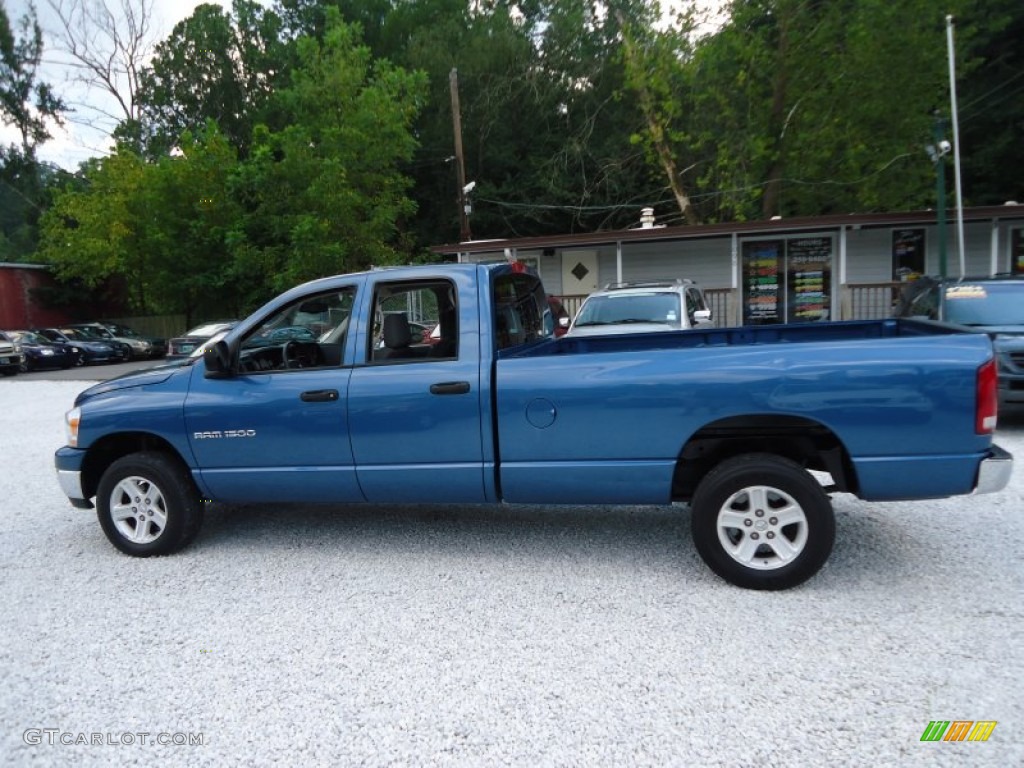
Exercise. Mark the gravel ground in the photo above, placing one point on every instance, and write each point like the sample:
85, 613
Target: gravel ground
518, 636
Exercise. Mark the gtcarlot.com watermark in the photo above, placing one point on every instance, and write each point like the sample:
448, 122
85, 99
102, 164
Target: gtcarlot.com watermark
55, 737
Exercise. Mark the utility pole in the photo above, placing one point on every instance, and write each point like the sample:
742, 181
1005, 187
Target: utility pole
464, 233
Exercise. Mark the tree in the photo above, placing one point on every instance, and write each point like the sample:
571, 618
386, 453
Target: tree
194, 214
108, 43
25, 102
99, 228
991, 108
649, 67
30, 106
799, 107
545, 134
161, 228
322, 191
216, 66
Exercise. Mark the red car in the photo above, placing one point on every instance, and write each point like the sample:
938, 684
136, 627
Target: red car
562, 318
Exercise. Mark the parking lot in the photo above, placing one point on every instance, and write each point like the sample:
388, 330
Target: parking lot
475, 636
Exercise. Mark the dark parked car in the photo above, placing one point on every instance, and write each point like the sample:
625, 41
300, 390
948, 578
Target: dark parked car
183, 346
137, 349
993, 305
40, 352
92, 351
157, 346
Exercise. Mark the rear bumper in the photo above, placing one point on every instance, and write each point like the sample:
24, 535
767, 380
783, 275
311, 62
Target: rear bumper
995, 471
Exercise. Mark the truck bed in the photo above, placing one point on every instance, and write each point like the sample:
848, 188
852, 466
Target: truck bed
802, 333
615, 412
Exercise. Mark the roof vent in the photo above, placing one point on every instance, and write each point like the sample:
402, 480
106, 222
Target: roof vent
646, 218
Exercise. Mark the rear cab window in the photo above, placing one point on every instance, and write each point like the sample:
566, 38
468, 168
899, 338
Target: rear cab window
521, 313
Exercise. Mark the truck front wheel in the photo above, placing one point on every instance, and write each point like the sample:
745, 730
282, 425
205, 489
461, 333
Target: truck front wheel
760, 521
148, 505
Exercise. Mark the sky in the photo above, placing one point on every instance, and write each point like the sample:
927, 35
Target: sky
86, 132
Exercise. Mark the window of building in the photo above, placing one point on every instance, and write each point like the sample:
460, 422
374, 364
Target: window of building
787, 280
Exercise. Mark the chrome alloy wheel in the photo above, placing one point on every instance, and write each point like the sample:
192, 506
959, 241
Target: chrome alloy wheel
762, 527
138, 509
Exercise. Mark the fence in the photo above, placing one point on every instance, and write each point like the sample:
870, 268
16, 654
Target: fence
869, 301
860, 301
161, 326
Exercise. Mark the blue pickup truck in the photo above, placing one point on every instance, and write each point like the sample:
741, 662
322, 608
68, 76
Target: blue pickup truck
753, 428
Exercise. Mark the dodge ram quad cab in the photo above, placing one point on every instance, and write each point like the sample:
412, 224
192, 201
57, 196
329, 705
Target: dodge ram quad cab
752, 428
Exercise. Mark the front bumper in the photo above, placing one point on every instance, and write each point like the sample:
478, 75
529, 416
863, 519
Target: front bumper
68, 462
995, 471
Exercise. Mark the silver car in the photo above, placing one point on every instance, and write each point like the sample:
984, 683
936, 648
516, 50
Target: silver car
642, 307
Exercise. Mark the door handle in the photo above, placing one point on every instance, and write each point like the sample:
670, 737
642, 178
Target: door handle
450, 388
319, 396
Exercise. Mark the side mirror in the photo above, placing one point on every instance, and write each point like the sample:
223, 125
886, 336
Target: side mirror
218, 360
702, 317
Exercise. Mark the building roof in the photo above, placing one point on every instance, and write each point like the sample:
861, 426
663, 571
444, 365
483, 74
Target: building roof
19, 265
799, 224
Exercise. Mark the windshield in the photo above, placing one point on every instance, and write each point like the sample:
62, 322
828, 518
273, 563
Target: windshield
985, 304
625, 308
96, 332
207, 329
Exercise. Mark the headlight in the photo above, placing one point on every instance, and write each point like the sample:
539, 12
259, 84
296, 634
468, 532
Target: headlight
71, 421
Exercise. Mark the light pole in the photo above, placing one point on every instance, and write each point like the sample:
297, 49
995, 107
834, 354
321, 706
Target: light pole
937, 152
465, 235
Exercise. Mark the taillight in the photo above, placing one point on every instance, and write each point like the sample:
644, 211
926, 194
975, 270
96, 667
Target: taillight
988, 399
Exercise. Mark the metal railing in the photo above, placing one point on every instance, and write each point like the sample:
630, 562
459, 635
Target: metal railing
859, 301
869, 301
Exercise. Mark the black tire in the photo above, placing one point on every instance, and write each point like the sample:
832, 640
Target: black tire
10, 371
166, 505
784, 524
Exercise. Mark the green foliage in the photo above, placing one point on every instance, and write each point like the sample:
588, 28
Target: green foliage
204, 232
804, 108
279, 145
25, 103
216, 66
101, 230
323, 194
991, 103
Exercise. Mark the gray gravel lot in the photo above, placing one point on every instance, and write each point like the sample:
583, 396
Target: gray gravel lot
518, 636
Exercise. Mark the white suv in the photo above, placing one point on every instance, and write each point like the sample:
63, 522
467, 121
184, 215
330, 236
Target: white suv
657, 305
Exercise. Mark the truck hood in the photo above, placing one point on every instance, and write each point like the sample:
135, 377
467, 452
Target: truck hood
149, 376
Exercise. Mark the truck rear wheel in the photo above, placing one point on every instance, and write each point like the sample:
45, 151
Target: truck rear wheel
760, 521
147, 504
